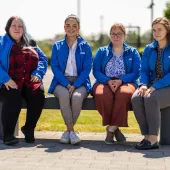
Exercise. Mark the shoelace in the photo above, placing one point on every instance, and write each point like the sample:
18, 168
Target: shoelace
65, 134
73, 135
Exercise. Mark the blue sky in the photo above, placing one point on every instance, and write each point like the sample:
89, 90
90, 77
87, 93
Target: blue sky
45, 18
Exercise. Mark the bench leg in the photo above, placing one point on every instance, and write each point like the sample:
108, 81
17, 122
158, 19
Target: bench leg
1, 128
165, 127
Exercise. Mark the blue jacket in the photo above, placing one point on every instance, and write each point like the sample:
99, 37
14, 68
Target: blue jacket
148, 66
59, 58
5, 47
131, 61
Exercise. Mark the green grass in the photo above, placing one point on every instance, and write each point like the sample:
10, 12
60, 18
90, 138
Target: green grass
89, 121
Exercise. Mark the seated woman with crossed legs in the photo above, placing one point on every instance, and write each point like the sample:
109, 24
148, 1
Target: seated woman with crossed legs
116, 69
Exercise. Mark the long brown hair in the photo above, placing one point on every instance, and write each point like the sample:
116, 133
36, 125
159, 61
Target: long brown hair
24, 38
166, 23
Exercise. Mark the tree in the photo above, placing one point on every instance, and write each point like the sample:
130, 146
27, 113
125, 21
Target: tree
46, 46
167, 10
145, 38
132, 38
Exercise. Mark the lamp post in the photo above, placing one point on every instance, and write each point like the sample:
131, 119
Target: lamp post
78, 8
101, 23
151, 7
101, 39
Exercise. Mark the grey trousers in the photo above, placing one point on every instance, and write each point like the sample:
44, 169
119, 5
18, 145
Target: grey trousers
147, 109
70, 107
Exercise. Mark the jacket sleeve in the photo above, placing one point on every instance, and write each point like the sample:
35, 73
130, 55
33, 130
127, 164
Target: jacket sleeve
134, 74
58, 73
4, 76
144, 75
42, 64
87, 65
97, 68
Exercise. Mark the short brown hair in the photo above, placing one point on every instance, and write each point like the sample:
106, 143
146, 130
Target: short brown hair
72, 16
120, 26
166, 23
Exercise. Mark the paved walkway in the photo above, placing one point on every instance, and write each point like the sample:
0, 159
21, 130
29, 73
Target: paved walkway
92, 154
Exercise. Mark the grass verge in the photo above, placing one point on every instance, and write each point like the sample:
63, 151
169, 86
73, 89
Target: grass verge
89, 121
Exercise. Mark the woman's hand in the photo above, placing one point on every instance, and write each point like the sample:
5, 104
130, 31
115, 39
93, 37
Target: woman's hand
71, 89
142, 90
114, 84
11, 84
68, 86
110, 83
149, 91
35, 78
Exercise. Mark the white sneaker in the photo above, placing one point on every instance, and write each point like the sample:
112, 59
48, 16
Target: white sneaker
74, 139
65, 138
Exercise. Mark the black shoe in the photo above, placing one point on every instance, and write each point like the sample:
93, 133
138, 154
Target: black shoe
119, 136
29, 135
141, 143
109, 136
10, 140
146, 145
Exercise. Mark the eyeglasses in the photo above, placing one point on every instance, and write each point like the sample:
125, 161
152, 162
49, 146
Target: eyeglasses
119, 34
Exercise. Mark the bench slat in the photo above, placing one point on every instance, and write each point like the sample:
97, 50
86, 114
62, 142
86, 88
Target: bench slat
53, 103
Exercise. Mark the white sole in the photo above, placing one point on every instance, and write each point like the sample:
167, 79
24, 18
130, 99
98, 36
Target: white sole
76, 142
109, 143
65, 142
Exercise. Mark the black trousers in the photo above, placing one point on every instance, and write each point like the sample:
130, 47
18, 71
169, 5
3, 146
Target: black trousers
12, 103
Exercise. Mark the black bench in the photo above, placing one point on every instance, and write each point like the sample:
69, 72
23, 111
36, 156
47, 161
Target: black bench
52, 103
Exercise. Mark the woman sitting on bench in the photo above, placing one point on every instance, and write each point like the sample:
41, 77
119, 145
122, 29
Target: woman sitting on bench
116, 69
22, 68
71, 63
154, 91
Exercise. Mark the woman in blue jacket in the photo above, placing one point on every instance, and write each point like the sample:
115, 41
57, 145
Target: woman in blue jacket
71, 62
153, 93
116, 69
22, 68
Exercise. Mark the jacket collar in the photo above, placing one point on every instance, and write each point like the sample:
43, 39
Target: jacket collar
79, 39
126, 47
8, 38
155, 44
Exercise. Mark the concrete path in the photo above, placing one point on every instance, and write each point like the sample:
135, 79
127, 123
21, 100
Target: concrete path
92, 154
